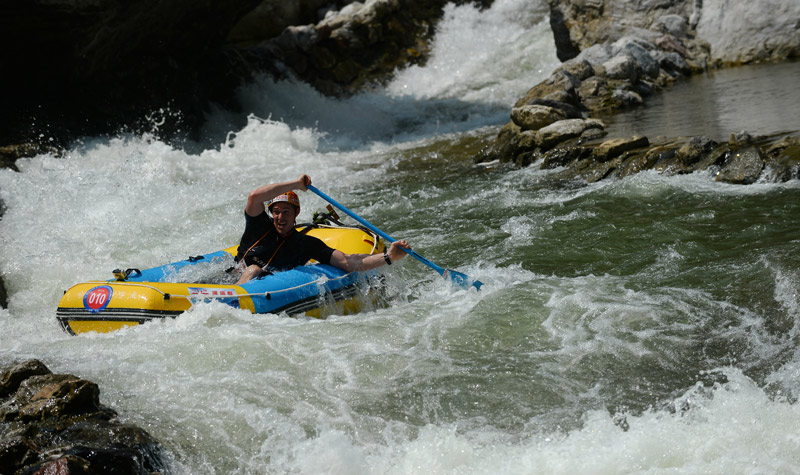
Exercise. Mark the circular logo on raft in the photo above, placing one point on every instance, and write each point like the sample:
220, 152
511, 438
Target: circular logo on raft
97, 298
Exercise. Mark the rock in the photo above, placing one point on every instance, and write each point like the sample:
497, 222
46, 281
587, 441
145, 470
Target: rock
563, 156
361, 44
585, 24
672, 24
563, 130
694, 151
269, 18
616, 147
621, 66
13, 376
639, 50
127, 65
671, 44
579, 68
595, 54
3, 291
561, 86
672, 63
87, 67
720, 31
746, 32
783, 158
534, 117
743, 168
54, 423
66, 465
595, 93
569, 110
622, 98
645, 161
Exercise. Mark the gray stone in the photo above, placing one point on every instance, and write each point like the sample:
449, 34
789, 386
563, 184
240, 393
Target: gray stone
615, 147
534, 117
621, 66
562, 130
756, 30
626, 98
639, 50
743, 167
675, 25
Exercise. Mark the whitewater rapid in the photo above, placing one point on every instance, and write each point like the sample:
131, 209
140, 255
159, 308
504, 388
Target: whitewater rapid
641, 326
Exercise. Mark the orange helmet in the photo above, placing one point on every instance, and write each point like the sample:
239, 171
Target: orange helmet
288, 197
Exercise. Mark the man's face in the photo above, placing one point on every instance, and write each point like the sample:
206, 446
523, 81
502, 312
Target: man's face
283, 215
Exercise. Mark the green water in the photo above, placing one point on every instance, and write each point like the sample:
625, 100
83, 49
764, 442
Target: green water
627, 291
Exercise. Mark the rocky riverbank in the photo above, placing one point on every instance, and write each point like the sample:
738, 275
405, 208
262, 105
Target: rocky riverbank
55, 424
615, 55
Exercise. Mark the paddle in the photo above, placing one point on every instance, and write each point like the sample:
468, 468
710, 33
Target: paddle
457, 277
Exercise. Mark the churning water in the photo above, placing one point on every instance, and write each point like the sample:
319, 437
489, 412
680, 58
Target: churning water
647, 325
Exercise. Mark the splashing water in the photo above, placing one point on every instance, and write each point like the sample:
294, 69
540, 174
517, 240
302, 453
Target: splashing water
641, 326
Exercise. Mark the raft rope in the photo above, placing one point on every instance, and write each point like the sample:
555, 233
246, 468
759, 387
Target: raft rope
260, 294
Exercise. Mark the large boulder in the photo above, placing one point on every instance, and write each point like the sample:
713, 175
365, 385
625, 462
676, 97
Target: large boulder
744, 167
746, 32
355, 46
55, 423
269, 18
735, 32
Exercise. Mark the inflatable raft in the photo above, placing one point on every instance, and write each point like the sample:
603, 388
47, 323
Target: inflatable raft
138, 296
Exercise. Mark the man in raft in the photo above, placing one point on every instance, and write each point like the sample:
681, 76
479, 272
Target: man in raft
272, 243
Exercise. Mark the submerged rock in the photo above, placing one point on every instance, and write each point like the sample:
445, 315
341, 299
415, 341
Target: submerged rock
54, 423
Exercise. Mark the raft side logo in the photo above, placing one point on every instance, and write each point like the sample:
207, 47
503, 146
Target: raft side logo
97, 298
205, 292
226, 296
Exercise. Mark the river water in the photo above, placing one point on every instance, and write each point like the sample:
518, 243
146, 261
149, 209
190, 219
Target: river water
646, 325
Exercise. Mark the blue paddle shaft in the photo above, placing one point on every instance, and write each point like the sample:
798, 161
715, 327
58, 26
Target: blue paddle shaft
447, 273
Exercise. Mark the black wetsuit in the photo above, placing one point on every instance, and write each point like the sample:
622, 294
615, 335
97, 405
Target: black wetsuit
262, 245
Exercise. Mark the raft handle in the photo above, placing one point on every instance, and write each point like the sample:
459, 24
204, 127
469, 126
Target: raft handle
121, 275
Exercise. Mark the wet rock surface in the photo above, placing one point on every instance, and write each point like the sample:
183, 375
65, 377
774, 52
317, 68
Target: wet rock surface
354, 46
54, 423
